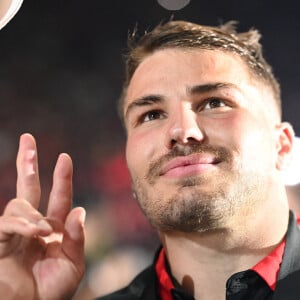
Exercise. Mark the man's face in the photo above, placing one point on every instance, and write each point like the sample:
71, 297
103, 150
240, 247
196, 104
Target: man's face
201, 145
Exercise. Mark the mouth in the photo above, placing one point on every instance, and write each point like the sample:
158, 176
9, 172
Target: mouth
192, 165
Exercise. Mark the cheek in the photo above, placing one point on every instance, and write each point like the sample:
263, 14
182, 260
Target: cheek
140, 149
226, 131
252, 139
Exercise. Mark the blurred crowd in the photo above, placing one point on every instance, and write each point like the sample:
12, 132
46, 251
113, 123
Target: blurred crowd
72, 108
119, 240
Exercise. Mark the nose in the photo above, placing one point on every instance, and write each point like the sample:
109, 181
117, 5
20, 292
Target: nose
184, 128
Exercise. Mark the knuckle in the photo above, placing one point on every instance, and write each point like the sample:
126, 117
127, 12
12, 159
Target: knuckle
11, 205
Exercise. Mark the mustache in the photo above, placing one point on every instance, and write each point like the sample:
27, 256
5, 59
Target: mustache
220, 154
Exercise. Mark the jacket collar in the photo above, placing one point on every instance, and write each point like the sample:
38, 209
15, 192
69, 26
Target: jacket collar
289, 276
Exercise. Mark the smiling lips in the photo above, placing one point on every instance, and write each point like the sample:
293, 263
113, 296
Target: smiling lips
188, 165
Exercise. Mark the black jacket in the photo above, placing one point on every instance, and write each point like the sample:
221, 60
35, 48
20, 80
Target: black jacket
143, 287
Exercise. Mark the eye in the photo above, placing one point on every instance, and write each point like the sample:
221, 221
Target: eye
214, 103
152, 115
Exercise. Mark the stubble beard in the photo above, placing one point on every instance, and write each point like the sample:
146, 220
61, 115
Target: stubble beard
200, 203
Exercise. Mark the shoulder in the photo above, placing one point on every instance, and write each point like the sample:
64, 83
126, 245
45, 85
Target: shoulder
143, 287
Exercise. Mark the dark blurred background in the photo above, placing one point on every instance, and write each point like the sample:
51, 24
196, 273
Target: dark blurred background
61, 73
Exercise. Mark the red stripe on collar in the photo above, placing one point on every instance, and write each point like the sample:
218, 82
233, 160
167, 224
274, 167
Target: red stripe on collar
165, 283
268, 268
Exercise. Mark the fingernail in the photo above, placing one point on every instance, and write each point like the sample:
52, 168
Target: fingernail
29, 156
82, 216
44, 225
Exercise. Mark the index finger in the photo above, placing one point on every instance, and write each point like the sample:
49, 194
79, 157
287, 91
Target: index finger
28, 182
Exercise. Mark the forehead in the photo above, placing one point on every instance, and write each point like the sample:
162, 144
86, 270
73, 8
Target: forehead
170, 69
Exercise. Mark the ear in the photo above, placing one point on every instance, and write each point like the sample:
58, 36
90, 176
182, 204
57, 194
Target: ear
284, 143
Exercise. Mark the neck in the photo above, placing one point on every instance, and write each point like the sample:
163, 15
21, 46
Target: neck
199, 261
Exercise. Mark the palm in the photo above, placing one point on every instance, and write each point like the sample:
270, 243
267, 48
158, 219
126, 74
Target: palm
53, 267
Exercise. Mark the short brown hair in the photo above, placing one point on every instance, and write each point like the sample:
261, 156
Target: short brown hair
182, 34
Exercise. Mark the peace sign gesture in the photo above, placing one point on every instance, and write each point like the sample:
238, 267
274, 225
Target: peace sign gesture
41, 257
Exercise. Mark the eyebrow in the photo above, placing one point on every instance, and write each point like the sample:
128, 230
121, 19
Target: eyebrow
144, 101
197, 89
210, 87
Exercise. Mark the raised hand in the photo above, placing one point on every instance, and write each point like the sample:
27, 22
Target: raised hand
41, 257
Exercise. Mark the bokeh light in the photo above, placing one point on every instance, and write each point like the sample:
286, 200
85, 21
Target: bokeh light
173, 4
